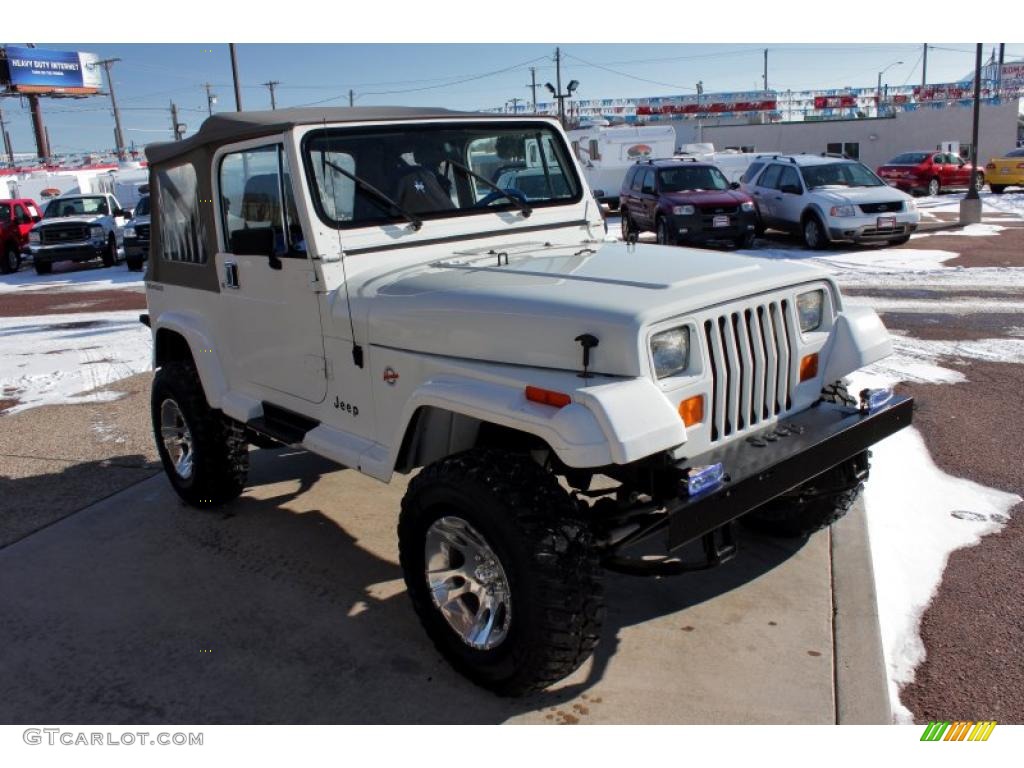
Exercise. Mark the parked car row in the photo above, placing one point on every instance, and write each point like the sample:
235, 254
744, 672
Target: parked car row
72, 228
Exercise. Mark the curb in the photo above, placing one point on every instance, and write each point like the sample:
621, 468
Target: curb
861, 682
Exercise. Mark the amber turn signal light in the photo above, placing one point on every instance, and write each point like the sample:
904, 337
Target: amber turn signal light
547, 397
691, 410
809, 367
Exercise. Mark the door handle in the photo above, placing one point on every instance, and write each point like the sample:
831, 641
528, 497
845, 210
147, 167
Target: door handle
230, 274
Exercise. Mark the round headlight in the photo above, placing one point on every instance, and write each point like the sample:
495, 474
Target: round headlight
684, 210
809, 306
670, 351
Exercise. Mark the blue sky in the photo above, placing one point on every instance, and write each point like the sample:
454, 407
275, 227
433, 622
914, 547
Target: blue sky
461, 76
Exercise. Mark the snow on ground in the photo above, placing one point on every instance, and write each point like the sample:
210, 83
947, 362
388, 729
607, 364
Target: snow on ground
54, 359
68, 276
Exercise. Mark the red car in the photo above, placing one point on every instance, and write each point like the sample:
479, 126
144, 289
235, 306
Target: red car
928, 172
16, 218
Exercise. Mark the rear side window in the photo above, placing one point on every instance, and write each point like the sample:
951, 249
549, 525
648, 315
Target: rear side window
258, 211
182, 235
638, 178
752, 170
770, 177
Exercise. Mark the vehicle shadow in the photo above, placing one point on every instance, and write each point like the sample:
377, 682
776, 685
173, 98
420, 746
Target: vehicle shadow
268, 610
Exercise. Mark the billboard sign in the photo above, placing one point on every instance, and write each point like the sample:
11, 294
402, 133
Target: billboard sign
1012, 76
34, 70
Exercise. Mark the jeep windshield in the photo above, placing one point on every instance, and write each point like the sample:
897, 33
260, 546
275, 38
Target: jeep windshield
699, 178
76, 206
839, 175
437, 171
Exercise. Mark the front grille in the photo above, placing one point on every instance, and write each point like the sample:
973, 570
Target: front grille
142, 230
751, 353
882, 207
55, 234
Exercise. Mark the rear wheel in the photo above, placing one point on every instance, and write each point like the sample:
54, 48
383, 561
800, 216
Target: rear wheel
43, 267
628, 230
934, 187
997, 189
501, 569
814, 233
205, 454
11, 260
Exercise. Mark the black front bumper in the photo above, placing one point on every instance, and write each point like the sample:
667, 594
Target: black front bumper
83, 252
700, 227
768, 463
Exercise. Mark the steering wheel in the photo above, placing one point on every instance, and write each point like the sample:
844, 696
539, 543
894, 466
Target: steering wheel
496, 195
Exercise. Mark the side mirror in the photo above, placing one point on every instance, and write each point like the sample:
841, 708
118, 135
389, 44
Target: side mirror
598, 193
734, 185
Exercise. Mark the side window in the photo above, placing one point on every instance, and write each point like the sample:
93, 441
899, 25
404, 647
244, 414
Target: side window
770, 177
182, 235
939, 159
789, 177
751, 172
258, 211
852, 150
595, 150
20, 216
648, 187
638, 178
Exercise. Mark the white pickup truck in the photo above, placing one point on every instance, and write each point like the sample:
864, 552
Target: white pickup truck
78, 228
356, 283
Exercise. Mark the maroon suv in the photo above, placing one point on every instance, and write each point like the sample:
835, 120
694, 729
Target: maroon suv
928, 172
683, 201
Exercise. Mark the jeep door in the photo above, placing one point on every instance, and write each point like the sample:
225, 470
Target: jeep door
267, 279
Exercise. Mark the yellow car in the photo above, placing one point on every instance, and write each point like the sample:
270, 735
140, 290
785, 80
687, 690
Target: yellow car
1006, 171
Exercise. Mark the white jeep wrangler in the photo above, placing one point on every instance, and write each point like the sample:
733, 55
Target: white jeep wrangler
355, 282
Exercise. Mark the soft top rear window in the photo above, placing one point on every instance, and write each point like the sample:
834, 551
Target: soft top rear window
435, 170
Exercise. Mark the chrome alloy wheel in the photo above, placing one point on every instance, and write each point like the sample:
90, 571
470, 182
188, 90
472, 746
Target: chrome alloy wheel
467, 583
177, 438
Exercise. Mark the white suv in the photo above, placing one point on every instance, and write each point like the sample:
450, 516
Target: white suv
828, 198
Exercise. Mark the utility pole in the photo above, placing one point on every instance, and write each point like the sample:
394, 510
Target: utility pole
533, 88
7, 140
272, 84
558, 84
234, 75
211, 98
351, 97
38, 128
766, 69
175, 125
924, 67
118, 135
999, 72
700, 121
972, 193
515, 105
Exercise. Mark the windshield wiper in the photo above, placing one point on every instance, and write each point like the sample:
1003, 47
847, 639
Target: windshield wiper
412, 218
522, 206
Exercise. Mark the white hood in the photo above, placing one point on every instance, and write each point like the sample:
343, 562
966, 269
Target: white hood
856, 195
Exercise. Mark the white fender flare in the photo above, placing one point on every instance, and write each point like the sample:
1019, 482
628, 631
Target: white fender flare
858, 338
204, 353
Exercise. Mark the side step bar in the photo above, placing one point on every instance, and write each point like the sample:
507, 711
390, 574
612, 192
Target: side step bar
282, 425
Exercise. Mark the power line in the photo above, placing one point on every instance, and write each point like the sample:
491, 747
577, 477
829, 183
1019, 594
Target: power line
632, 77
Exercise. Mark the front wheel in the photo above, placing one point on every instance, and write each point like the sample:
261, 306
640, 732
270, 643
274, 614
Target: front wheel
628, 230
110, 252
134, 262
814, 234
501, 569
11, 261
900, 240
205, 454
664, 232
934, 187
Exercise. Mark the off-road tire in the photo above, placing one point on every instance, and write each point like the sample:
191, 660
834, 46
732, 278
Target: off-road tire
220, 462
820, 501
43, 267
134, 263
664, 232
110, 252
934, 187
997, 189
11, 260
546, 548
813, 242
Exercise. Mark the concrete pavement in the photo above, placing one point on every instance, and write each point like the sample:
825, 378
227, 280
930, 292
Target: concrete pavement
288, 606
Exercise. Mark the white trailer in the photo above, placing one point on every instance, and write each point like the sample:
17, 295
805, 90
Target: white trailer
606, 153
